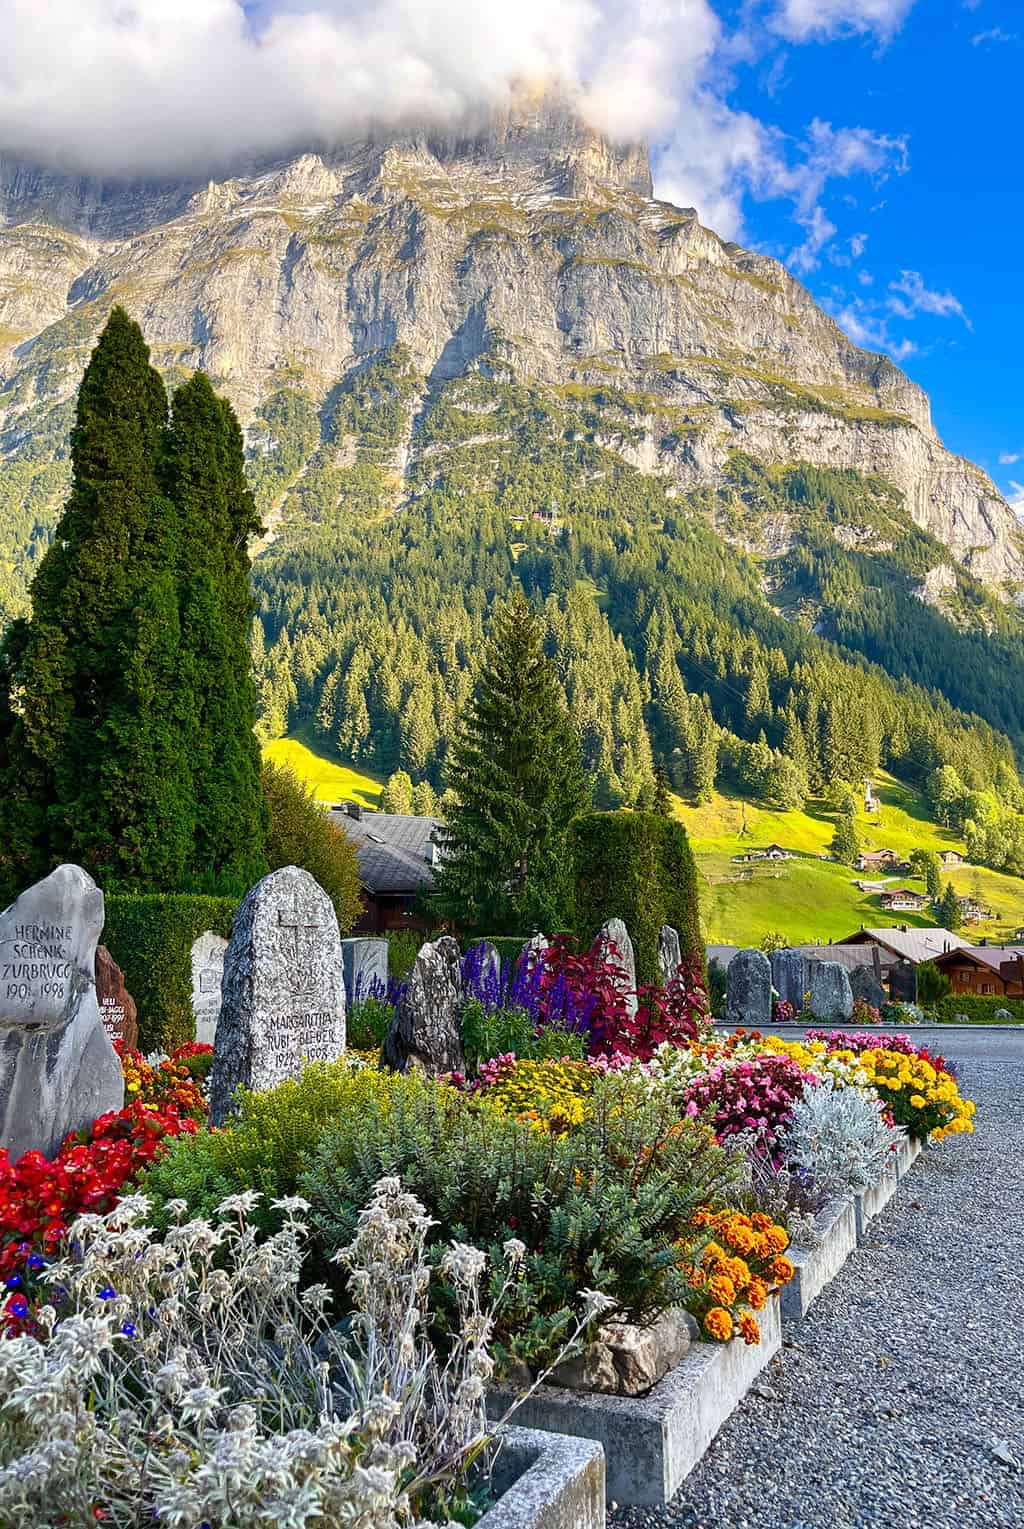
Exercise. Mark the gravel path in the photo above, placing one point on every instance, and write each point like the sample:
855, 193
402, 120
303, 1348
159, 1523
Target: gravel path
891, 1404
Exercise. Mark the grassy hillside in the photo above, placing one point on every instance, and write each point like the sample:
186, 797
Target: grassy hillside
805, 899
330, 780
810, 899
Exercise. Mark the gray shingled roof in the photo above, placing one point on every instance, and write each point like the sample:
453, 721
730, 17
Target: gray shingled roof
392, 850
915, 945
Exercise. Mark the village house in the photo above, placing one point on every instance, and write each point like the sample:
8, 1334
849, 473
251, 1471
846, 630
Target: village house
986, 971
877, 860
768, 852
397, 857
952, 857
902, 944
903, 900
971, 910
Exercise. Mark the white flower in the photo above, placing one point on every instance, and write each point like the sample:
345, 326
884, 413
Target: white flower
240, 1204
597, 1303
515, 1251
464, 1264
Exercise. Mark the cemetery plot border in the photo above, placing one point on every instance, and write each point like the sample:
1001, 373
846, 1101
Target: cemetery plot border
547, 1481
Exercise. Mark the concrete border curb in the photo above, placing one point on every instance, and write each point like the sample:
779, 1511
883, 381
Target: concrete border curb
652, 1442
547, 1481
818, 1266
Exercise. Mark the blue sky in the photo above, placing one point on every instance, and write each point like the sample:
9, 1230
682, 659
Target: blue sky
926, 259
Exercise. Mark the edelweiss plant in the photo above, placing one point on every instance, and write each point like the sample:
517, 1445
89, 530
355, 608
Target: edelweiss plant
193, 1381
839, 1135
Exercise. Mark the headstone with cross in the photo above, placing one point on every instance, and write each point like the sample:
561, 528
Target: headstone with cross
283, 991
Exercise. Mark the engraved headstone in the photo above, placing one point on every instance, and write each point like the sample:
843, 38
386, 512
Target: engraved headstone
866, 987
614, 948
117, 1006
207, 974
749, 995
366, 969
283, 993
831, 995
670, 954
426, 1032
58, 1067
789, 977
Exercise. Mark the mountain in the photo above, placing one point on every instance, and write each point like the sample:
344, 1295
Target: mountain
495, 356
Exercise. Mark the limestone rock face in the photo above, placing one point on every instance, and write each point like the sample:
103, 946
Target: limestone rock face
283, 991
426, 1031
58, 1067
528, 244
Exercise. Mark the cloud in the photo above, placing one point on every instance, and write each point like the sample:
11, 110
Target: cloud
870, 329
992, 36
803, 20
910, 296
1015, 498
1008, 458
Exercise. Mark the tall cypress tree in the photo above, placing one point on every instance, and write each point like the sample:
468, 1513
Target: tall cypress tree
90, 711
203, 473
517, 772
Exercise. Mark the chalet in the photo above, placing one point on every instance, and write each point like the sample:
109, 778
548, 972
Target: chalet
877, 860
903, 944
903, 900
769, 852
971, 910
397, 857
952, 857
995, 971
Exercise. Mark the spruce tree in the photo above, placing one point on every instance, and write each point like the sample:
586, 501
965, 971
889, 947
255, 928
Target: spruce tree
94, 723
517, 772
947, 910
203, 472
662, 791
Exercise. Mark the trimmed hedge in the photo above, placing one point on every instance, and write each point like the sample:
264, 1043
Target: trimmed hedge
150, 936
637, 866
508, 946
980, 1011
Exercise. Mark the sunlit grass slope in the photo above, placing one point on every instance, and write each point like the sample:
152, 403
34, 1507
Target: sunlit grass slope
330, 779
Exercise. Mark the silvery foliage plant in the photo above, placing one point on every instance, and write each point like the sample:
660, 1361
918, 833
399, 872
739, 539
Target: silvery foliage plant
192, 1380
840, 1136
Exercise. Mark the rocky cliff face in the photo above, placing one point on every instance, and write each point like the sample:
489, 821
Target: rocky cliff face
532, 247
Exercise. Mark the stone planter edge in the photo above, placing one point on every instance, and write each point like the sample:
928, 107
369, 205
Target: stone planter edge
652, 1442
552, 1482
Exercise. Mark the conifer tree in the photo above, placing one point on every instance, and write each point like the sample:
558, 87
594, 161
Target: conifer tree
947, 910
517, 772
203, 471
94, 723
662, 791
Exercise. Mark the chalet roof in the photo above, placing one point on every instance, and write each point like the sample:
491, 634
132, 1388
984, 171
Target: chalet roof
993, 957
392, 849
914, 945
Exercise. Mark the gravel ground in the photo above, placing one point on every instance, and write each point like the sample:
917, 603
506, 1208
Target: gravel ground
899, 1401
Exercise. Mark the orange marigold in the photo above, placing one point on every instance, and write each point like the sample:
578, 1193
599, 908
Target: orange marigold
757, 1294
761, 1222
749, 1330
781, 1270
736, 1270
777, 1239
718, 1324
723, 1289
742, 1239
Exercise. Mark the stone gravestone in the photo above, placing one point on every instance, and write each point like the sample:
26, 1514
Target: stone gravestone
366, 969
117, 1006
749, 995
283, 993
831, 995
670, 954
903, 982
866, 987
614, 947
789, 977
207, 974
426, 1032
58, 1067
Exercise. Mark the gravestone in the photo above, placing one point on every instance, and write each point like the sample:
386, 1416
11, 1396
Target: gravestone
831, 996
670, 954
58, 1067
866, 987
903, 982
283, 993
749, 994
207, 973
789, 977
534, 951
366, 969
614, 948
117, 1006
426, 1032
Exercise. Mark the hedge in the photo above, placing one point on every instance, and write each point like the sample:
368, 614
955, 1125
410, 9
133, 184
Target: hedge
150, 936
636, 866
980, 1011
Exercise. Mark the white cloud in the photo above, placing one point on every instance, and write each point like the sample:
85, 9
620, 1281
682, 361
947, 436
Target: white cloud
993, 35
1015, 498
910, 296
801, 20
1008, 458
870, 330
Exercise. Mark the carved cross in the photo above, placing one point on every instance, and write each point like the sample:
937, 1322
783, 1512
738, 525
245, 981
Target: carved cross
301, 979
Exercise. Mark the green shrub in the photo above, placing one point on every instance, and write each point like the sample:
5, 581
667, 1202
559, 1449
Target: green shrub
150, 936
490, 1033
302, 834
979, 1010
368, 1022
602, 1208
932, 984
636, 866
403, 948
